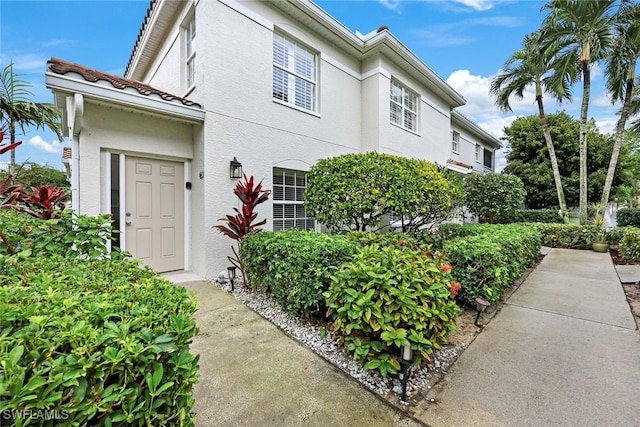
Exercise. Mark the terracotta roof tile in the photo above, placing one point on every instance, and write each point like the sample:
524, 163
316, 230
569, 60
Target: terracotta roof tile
59, 66
66, 152
457, 163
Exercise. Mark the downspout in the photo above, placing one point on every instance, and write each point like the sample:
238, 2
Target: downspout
75, 110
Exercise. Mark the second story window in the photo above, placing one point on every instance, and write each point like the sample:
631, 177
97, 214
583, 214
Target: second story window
294, 73
404, 107
488, 158
190, 50
455, 141
478, 153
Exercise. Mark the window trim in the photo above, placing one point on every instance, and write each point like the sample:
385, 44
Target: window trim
293, 75
190, 33
416, 111
478, 153
455, 141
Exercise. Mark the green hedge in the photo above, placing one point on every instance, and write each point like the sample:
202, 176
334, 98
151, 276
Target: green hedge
532, 215
628, 217
395, 239
295, 265
489, 258
101, 342
566, 235
630, 245
387, 297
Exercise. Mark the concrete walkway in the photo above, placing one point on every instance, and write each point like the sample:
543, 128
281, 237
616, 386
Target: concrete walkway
252, 374
564, 350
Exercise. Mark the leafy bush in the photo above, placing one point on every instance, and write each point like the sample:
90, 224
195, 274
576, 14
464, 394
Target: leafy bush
70, 235
491, 196
566, 235
630, 245
615, 235
549, 216
488, 259
628, 217
386, 298
397, 240
103, 342
295, 265
355, 191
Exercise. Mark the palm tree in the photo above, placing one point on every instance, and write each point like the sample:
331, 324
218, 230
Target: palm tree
583, 30
621, 74
532, 66
16, 109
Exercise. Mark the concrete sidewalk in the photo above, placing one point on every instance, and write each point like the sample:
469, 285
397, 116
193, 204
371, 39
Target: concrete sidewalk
564, 350
252, 374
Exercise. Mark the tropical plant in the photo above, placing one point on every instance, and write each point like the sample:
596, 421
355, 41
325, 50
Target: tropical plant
16, 109
386, 298
42, 202
533, 66
582, 33
621, 75
241, 224
35, 175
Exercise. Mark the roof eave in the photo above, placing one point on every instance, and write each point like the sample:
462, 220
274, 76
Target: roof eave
62, 84
472, 127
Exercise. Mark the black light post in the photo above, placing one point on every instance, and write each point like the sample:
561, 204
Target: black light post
481, 306
405, 361
231, 273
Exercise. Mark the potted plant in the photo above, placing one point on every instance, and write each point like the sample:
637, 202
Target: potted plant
599, 242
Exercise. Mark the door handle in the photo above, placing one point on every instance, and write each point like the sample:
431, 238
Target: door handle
128, 214
127, 222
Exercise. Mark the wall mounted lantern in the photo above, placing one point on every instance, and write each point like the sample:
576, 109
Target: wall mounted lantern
235, 169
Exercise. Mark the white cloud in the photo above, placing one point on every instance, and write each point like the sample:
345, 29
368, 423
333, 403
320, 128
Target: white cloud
27, 63
48, 147
607, 125
477, 5
390, 4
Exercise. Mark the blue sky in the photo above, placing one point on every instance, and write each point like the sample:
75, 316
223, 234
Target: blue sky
464, 41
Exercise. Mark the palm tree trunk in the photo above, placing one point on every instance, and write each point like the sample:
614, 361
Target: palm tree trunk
12, 135
552, 158
617, 144
586, 77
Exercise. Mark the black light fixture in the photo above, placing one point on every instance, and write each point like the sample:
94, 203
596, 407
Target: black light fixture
405, 361
481, 306
235, 169
231, 274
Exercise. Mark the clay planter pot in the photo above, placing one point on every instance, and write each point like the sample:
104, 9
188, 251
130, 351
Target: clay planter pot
600, 246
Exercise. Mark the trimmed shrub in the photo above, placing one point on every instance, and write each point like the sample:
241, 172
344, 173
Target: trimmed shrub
492, 195
548, 216
568, 236
397, 240
386, 298
630, 245
489, 258
295, 265
628, 217
70, 235
101, 342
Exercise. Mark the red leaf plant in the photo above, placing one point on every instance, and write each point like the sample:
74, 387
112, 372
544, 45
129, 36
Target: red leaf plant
241, 224
42, 201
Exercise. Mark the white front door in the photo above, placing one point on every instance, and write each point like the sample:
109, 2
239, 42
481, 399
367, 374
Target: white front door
154, 208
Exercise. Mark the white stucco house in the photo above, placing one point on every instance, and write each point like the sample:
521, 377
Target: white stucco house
276, 85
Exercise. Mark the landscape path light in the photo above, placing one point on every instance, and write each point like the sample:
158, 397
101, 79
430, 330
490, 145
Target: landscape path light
231, 274
481, 306
405, 361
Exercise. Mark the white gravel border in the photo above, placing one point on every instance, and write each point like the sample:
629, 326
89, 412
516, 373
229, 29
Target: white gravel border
333, 351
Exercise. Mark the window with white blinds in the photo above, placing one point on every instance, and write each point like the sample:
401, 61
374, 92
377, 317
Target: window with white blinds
404, 107
294, 73
288, 201
190, 52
